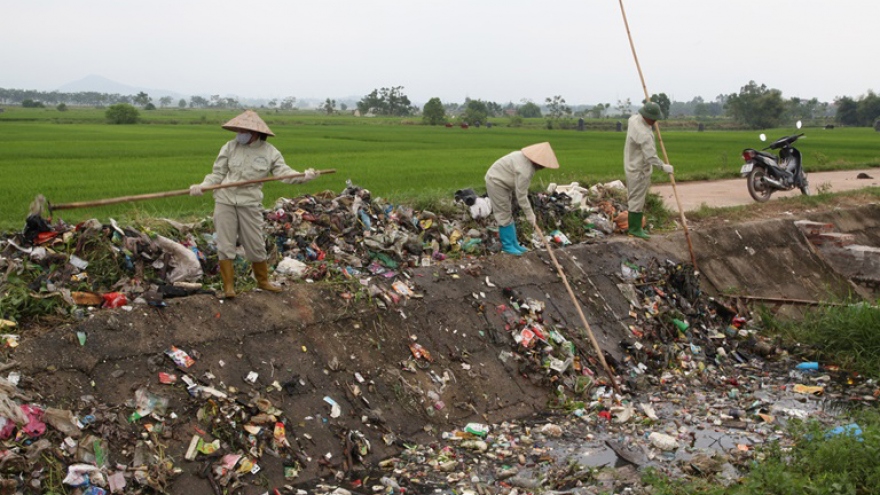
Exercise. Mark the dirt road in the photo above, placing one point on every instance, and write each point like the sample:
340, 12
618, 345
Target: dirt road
733, 192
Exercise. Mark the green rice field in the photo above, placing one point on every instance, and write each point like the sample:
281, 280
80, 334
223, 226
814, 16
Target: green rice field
74, 156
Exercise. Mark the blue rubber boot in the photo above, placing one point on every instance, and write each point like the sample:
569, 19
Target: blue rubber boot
522, 249
509, 245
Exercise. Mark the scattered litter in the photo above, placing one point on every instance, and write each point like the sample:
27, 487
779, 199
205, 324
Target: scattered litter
335, 410
180, 358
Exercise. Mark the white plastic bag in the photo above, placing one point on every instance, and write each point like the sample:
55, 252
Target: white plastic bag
663, 441
481, 208
185, 262
290, 267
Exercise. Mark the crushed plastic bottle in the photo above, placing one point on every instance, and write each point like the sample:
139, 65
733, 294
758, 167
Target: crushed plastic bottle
477, 429
391, 485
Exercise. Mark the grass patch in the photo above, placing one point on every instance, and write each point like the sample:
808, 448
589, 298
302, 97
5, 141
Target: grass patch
842, 335
818, 463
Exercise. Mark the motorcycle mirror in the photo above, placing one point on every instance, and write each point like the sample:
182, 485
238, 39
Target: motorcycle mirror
798, 124
762, 137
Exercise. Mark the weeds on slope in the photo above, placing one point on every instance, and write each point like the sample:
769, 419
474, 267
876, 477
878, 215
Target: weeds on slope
846, 336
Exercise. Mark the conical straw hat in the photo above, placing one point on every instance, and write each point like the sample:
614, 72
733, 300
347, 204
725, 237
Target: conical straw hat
248, 121
542, 154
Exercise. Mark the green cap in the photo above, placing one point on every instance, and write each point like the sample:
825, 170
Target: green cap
651, 111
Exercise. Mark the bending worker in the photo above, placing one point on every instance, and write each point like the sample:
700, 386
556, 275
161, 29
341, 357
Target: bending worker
639, 155
509, 179
238, 211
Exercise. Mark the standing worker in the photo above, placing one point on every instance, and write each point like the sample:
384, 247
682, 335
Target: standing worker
639, 155
509, 178
238, 211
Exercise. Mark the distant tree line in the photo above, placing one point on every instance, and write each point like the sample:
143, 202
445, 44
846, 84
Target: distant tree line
33, 98
761, 107
83, 98
864, 111
754, 106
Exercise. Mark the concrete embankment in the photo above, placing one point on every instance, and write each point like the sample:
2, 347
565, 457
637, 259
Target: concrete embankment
779, 259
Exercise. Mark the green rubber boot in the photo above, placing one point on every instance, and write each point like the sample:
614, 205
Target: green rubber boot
634, 229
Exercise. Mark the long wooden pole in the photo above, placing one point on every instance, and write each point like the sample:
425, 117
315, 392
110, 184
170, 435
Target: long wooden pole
179, 192
577, 306
684, 224
783, 300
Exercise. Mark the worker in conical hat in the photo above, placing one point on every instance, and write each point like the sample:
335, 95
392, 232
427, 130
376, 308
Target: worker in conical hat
238, 211
508, 180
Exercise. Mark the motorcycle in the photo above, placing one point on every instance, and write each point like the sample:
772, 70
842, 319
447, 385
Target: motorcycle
767, 173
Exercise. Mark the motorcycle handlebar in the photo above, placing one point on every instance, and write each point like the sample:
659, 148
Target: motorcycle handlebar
779, 143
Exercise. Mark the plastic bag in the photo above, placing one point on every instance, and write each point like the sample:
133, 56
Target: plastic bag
291, 268
184, 260
34, 427
78, 474
148, 403
114, 300
481, 208
601, 224
63, 421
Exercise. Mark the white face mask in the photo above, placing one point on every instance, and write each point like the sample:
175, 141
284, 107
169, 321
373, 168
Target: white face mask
243, 137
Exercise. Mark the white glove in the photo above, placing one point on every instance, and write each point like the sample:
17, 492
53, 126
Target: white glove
196, 190
308, 175
666, 168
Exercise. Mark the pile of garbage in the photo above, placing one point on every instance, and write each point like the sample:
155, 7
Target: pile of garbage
701, 391
61, 268
699, 387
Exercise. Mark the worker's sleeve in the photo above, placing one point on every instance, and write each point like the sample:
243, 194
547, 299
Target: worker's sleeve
649, 151
522, 183
280, 168
220, 169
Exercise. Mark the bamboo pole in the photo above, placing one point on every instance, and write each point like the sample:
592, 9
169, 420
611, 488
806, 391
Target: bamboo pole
785, 300
687, 234
179, 192
578, 307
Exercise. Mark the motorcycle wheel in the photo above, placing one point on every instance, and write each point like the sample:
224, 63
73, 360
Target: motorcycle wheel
758, 190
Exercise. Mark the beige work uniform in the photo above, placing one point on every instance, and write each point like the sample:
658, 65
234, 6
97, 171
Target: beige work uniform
238, 211
507, 178
639, 154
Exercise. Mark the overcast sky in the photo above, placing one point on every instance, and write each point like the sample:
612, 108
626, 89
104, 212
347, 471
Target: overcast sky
500, 50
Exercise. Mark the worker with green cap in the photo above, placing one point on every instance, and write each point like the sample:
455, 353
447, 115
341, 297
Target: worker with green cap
508, 180
238, 211
639, 155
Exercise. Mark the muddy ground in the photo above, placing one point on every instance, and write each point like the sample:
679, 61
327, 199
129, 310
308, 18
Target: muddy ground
314, 345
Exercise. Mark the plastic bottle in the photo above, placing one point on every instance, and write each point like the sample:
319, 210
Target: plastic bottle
477, 429
808, 366
390, 484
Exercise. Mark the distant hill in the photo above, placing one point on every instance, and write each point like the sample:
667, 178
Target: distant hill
101, 84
